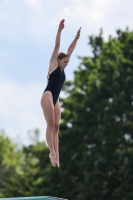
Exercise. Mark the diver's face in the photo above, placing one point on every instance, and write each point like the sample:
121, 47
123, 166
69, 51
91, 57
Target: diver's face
63, 62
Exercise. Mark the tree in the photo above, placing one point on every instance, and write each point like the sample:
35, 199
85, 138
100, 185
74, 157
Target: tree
9, 158
96, 133
24, 182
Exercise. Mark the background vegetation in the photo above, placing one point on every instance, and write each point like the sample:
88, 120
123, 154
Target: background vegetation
96, 133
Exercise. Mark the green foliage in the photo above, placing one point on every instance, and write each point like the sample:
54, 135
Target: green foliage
32, 169
97, 123
9, 158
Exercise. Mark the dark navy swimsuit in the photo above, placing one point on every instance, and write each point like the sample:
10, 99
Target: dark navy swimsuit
55, 83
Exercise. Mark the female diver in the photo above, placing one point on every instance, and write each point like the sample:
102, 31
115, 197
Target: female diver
50, 98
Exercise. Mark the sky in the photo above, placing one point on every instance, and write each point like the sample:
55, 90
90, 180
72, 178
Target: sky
27, 37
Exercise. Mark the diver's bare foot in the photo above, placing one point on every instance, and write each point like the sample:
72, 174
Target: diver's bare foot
57, 160
52, 157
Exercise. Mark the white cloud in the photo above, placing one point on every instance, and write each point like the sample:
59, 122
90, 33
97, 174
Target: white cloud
25, 18
9, 19
38, 19
20, 109
37, 4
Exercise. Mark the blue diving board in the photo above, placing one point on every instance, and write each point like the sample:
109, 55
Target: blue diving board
34, 198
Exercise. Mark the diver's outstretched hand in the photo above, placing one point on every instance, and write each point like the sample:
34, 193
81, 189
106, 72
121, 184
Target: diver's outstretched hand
61, 24
78, 33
